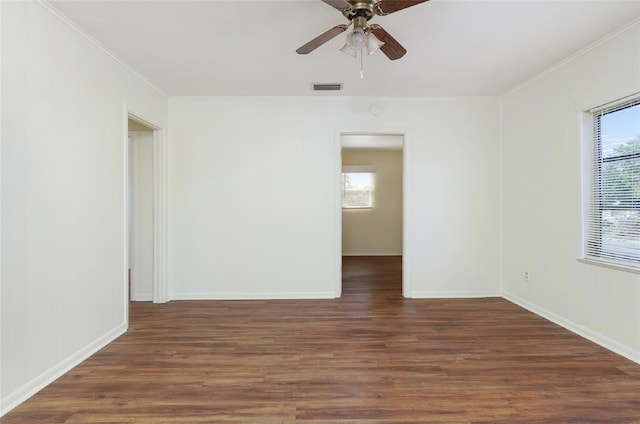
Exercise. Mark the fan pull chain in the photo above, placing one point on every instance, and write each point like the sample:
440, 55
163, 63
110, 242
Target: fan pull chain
361, 64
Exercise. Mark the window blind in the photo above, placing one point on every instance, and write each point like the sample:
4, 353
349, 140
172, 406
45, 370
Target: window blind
357, 186
613, 227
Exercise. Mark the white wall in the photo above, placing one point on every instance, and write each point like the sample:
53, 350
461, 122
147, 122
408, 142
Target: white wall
542, 197
141, 243
254, 194
378, 230
63, 164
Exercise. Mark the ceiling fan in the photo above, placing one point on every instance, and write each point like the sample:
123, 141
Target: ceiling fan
363, 36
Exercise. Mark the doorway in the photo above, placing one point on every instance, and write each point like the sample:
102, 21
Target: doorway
140, 205
159, 292
158, 215
372, 200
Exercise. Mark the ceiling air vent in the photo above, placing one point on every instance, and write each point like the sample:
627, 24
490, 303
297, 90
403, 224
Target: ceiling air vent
327, 87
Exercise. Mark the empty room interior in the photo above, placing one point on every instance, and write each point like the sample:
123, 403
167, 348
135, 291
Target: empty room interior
371, 211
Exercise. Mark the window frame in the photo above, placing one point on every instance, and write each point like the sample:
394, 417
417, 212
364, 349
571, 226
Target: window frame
358, 169
594, 205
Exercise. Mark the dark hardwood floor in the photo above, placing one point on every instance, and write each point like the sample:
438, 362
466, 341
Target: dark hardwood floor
369, 357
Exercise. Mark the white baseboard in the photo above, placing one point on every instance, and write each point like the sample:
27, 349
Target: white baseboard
253, 296
435, 294
578, 329
142, 297
38, 383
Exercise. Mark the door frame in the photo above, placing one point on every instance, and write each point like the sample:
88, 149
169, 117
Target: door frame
406, 196
160, 190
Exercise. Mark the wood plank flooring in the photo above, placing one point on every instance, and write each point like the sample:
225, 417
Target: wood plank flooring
369, 357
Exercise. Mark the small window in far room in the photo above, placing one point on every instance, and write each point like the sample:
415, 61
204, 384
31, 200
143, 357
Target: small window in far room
613, 226
357, 187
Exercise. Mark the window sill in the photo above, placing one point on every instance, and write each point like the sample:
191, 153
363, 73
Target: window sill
612, 265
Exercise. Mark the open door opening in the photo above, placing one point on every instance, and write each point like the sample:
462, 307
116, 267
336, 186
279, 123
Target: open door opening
140, 211
145, 260
372, 210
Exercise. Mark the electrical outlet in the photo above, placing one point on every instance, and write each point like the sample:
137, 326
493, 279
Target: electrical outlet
527, 276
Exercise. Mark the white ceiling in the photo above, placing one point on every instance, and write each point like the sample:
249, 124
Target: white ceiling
247, 48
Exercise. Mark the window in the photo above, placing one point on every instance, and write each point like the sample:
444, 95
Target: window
357, 187
613, 226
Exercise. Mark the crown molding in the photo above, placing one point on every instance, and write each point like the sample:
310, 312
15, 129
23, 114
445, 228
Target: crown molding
334, 98
573, 57
46, 5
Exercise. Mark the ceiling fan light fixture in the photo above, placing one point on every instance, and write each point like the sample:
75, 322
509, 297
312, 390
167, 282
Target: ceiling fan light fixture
373, 43
357, 39
346, 49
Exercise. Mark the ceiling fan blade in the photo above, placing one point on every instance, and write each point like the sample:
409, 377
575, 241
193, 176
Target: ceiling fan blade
391, 47
338, 4
321, 39
385, 7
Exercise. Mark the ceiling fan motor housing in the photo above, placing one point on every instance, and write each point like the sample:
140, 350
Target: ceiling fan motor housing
360, 22
360, 9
